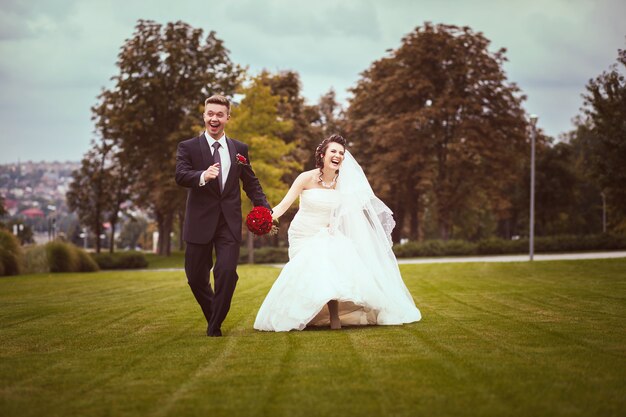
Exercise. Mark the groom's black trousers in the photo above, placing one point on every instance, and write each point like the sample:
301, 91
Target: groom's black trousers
198, 264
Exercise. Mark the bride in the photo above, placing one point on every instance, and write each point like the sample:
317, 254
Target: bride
341, 268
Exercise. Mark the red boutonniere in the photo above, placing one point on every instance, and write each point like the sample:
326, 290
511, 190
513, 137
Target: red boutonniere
241, 160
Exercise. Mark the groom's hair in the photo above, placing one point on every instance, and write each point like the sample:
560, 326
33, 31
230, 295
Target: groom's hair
218, 99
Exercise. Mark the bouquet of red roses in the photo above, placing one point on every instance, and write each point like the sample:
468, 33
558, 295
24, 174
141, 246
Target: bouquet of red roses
259, 221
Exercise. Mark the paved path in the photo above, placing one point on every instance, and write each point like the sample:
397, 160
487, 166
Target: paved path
509, 258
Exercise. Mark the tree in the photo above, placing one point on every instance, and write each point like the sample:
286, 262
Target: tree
590, 207
256, 122
88, 195
118, 191
310, 123
165, 73
3, 210
604, 137
305, 131
331, 116
133, 229
98, 190
437, 126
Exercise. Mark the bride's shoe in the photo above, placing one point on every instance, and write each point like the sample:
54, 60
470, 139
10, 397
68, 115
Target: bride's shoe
333, 309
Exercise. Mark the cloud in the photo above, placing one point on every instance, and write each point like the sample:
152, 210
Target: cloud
319, 20
58, 54
19, 20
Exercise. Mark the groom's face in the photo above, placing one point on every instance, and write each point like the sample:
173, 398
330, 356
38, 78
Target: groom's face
215, 118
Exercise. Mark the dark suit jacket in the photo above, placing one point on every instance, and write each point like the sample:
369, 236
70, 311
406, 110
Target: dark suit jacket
204, 204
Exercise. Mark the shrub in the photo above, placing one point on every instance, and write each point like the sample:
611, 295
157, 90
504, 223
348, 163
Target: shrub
609, 241
269, 255
435, 248
265, 255
11, 255
132, 260
459, 248
36, 260
66, 257
120, 260
568, 243
62, 257
406, 250
86, 262
495, 246
104, 260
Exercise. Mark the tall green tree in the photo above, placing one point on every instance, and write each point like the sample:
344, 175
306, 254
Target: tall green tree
331, 117
305, 119
165, 73
118, 191
256, 121
436, 123
604, 137
98, 190
590, 203
88, 195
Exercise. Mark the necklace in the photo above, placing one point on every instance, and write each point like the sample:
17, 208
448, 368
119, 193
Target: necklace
325, 185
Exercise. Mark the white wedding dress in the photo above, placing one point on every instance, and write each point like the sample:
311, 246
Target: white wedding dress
339, 249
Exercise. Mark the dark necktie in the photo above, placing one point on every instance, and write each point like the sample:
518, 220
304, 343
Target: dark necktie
217, 159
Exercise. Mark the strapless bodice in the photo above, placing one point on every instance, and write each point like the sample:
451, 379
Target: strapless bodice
316, 207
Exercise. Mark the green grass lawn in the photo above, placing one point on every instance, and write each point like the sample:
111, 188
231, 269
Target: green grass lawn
496, 339
175, 260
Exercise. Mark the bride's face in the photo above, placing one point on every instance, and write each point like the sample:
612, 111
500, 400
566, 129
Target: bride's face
334, 155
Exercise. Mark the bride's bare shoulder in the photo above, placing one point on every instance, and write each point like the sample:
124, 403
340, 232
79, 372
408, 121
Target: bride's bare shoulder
308, 178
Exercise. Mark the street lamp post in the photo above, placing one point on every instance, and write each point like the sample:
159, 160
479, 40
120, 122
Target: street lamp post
533, 137
83, 236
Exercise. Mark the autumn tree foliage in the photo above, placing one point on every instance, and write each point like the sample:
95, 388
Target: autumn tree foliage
165, 73
439, 129
308, 122
256, 121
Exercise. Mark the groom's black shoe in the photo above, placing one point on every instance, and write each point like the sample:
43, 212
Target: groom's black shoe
214, 333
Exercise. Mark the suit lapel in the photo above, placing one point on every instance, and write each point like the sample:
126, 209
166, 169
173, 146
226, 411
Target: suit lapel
232, 173
207, 157
208, 160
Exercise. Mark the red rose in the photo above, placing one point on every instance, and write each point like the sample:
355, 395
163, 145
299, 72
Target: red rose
259, 221
241, 160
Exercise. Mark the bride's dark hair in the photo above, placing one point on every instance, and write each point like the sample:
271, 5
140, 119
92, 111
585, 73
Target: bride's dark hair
321, 148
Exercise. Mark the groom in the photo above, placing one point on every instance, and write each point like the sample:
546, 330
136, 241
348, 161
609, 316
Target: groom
210, 166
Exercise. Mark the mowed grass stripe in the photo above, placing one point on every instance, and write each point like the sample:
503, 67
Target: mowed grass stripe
496, 339
560, 341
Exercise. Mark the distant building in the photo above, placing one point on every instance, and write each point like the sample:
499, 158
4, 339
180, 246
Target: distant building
33, 213
10, 206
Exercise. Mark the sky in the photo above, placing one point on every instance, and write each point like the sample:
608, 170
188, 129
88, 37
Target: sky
56, 56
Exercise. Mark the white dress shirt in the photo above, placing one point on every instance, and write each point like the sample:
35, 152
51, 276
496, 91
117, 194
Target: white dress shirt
224, 156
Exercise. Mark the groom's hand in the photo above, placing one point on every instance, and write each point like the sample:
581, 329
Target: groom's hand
212, 172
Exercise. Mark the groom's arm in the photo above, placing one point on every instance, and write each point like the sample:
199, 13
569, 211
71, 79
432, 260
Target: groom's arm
251, 184
186, 176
